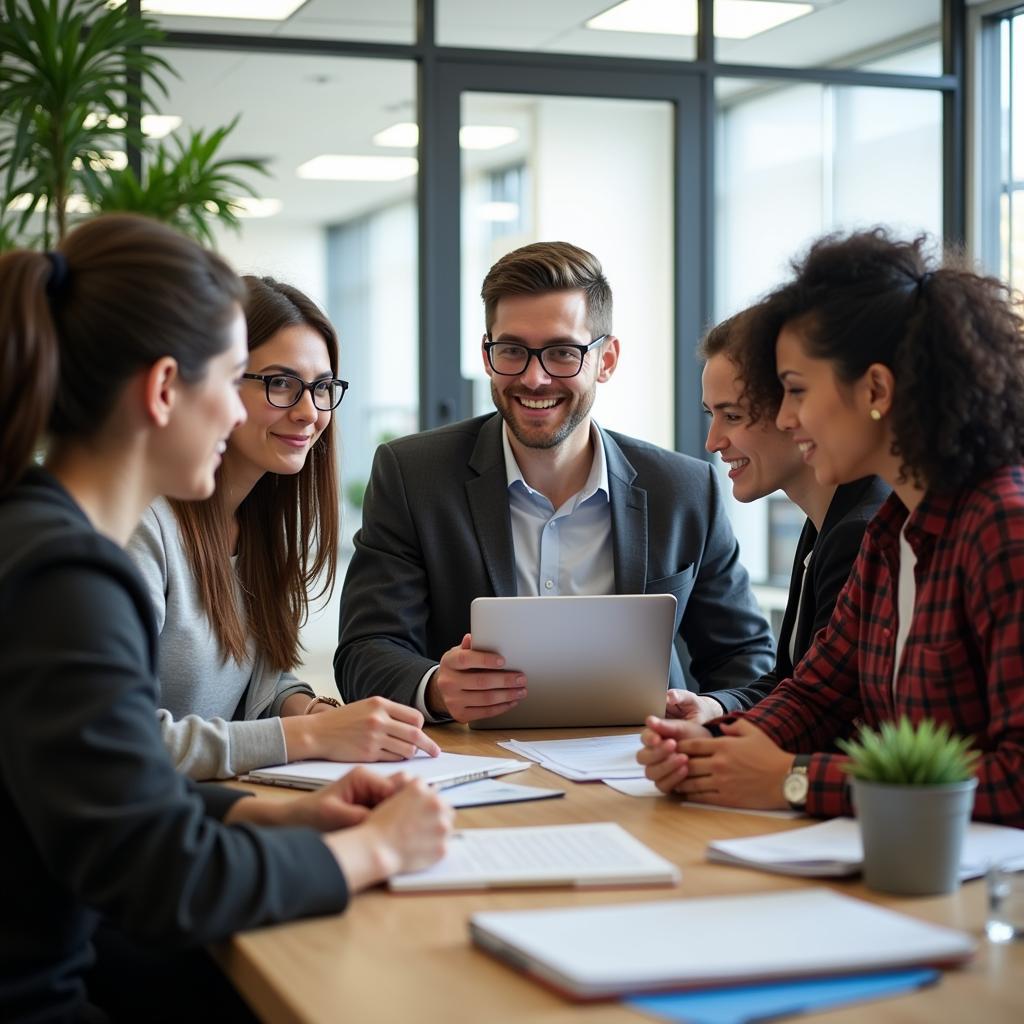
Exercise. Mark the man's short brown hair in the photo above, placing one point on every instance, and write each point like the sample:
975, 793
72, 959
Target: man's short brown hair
544, 267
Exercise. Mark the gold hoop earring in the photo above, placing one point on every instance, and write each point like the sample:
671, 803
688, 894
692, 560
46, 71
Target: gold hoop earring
875, 415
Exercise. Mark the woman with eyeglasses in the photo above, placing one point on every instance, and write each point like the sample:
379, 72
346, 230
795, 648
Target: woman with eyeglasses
232, 577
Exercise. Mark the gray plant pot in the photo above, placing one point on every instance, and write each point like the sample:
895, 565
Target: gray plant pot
913, 835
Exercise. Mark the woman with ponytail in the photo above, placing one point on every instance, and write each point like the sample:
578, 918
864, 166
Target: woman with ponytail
892, 366
121, 356
231, 577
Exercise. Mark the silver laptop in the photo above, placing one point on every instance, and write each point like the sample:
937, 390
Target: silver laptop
587, 660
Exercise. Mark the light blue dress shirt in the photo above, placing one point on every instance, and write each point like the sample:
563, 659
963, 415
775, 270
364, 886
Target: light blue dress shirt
566, 550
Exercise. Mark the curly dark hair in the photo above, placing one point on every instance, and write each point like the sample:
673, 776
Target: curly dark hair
748, 339
952, 338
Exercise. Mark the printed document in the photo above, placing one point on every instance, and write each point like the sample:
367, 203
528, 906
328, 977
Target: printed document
444, 770
577, 855
833, 848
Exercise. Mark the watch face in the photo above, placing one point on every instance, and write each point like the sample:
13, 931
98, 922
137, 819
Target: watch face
794, 789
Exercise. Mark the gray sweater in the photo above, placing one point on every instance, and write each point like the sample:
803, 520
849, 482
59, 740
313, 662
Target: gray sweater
201, 693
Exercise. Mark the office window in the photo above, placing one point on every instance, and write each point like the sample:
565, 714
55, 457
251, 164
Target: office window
796, 161
663, 29
558, 180
1011, 150
830, 33
342, 228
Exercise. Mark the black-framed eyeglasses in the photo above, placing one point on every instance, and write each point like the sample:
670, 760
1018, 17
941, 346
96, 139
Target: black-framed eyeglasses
285, 390
562, 359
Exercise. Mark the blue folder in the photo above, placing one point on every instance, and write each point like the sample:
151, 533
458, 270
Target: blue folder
778, 999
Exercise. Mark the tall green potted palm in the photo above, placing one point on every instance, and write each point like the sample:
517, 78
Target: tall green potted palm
71, 73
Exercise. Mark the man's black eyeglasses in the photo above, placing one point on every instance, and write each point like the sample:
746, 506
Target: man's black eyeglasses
285, 390
563, 359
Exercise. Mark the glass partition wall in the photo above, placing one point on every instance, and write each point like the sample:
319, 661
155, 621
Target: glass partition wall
695, 145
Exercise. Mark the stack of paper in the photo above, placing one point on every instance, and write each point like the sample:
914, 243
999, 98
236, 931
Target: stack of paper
441, 771
585, 760
833, 848
579, 855
598, 952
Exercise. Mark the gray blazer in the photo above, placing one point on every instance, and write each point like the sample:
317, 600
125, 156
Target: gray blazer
437, 533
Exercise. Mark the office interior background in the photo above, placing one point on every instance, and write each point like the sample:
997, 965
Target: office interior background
695, 146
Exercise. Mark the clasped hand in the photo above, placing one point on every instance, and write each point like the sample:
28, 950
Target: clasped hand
740, 768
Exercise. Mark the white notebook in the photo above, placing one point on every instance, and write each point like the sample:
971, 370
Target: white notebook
601, 952
833, 848
442, 771
577, 855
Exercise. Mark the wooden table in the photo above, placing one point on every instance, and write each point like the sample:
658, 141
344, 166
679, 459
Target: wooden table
407, 959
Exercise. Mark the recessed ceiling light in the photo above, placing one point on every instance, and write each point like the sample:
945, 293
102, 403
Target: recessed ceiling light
406, 135
734, 19
76, 203
249, 206
337, 167
498, 211
156, 126
256, 10
486, 136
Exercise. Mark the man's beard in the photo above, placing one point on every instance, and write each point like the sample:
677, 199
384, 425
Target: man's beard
504, 403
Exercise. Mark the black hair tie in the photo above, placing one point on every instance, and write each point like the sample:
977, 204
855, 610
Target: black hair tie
57, 282
922, 281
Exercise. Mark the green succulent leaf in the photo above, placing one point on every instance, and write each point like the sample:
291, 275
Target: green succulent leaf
904, 754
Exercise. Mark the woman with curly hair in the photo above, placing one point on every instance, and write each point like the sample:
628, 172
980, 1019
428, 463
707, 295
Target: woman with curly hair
915, 373
742, 404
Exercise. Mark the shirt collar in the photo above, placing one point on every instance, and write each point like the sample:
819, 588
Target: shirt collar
597, 480
934, 516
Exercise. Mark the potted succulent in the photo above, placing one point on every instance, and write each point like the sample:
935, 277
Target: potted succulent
913, 790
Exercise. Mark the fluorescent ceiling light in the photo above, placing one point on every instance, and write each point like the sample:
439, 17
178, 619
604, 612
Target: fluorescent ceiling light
112, 160
498, 211
337, 167
406, 135
156, 126
249, 206
76, 203
256, 10
486, 136
734, 19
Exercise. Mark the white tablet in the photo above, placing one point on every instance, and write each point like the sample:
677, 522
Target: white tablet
587, 660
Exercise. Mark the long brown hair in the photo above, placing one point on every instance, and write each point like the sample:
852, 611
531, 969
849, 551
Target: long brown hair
120, 293
287, 525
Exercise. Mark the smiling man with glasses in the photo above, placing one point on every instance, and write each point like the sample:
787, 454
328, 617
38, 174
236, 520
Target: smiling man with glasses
539, 500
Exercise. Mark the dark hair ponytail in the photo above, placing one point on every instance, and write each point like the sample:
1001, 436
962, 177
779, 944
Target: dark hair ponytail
121, 293
29, 360
951, 337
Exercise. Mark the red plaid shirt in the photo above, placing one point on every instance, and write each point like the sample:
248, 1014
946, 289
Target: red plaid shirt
963, 662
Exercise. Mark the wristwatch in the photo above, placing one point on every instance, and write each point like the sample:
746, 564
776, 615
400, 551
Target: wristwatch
796, 783
333, 701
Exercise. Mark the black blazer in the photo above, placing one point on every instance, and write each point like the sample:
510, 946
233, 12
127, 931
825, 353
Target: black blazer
835, 550
96, 820
437, 533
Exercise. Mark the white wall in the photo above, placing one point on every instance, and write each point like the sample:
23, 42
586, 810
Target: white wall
603, 180
294, 253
